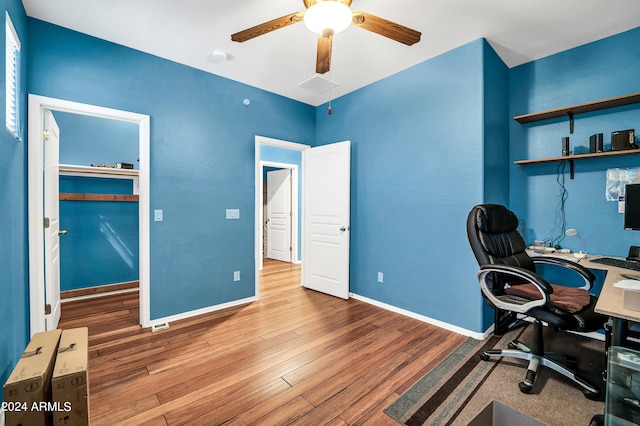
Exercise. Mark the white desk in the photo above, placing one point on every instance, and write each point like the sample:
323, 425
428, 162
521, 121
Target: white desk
610, 300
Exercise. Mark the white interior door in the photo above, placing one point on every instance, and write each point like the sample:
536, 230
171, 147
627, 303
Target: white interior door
325, 265
279, 215
51, 141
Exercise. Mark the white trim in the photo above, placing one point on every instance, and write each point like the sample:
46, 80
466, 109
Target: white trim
437, 323
98, 295
36, 107
1, 417
202, 311
262, 140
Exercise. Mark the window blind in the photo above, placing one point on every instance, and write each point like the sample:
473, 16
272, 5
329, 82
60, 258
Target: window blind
12, 52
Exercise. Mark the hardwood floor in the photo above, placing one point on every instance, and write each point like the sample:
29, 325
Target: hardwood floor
294, 357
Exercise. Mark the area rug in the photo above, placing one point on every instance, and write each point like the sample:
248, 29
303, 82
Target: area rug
458, 388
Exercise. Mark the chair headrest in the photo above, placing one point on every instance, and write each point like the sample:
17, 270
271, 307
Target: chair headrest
495, 219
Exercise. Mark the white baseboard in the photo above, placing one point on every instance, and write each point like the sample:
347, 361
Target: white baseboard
97, 295
209, 309
1, 417
437, 323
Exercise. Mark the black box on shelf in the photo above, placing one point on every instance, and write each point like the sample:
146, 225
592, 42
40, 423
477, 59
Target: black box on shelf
565, 146
623, 139
596, 143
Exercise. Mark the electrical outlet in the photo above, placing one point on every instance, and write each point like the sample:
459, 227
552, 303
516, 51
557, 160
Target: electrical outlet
236, 275
380, 277
233, 214
157, 215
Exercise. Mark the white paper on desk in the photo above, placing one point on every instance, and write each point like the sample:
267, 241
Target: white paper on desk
628, 285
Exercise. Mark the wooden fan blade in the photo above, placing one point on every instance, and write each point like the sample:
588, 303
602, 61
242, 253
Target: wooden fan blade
323, 59
267, 27
386, 28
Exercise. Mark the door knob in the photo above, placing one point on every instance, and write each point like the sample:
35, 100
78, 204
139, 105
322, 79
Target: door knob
62, 232
344, 228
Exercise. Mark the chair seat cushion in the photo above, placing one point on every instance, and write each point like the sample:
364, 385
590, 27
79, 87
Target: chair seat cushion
570, 299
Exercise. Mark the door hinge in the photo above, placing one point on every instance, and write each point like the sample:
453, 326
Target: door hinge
45, 134
47, 309
45, 222
290, 248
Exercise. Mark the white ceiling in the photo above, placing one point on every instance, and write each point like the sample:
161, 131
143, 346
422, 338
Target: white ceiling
188, 31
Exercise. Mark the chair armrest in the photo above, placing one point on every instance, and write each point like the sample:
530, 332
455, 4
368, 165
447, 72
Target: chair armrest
514, 303
584, 273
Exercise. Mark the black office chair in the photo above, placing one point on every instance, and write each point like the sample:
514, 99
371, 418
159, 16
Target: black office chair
504, 265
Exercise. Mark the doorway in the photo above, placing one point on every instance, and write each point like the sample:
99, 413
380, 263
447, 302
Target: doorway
41, 288
280, 211
284, 155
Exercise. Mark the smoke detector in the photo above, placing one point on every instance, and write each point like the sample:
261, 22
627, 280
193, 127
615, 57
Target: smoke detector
218, 56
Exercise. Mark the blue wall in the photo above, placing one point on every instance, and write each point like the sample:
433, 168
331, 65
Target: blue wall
418, 154
14, 287
598, 70
202, 155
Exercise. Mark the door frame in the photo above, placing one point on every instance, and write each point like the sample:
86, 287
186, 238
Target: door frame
259, 220
36, 106
293, 225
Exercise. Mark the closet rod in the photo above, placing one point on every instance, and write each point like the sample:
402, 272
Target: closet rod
67, 196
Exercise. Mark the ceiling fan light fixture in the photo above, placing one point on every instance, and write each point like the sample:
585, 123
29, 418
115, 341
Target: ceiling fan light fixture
325, 15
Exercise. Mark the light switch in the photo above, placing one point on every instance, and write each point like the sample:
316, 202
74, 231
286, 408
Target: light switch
157, 215
233, 213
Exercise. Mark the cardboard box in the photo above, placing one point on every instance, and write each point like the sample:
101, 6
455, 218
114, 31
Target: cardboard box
498, 414
70, 380
631, 299
27, 392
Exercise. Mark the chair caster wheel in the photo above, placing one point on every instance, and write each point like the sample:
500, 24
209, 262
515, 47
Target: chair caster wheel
593, 396
524, 388
484, 356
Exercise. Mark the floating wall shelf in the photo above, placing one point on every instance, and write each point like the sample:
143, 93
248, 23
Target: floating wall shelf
572, 158
580, 156
569, 111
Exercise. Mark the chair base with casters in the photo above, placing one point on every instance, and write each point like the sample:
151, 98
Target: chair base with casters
537, 357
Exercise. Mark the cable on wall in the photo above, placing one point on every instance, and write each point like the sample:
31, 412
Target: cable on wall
560, 221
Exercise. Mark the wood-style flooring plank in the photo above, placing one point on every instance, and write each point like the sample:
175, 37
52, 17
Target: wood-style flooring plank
294, 357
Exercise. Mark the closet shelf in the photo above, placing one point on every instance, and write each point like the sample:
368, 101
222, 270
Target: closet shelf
101, 172
68, 196
71, 168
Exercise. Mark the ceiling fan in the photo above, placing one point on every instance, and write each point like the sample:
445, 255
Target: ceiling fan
329, 17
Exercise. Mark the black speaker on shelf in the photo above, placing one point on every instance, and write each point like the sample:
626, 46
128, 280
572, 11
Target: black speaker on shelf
565, 146
623, 139
596, 143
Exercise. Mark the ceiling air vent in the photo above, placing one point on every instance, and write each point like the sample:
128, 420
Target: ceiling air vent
318, 84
